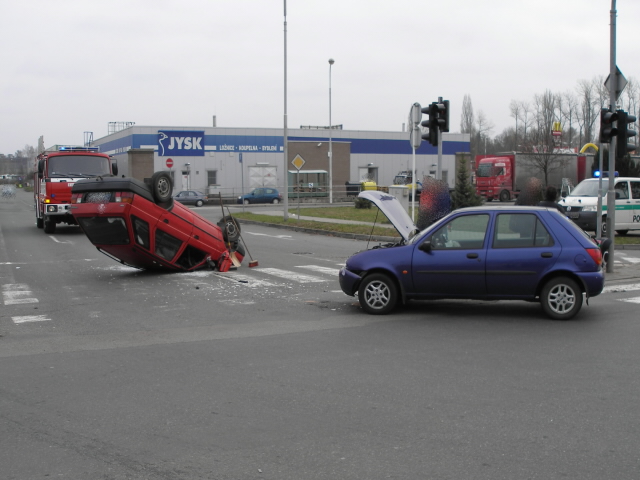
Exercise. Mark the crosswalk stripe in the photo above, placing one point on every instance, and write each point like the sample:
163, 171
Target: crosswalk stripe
16, 294
30, 318
631, 300
296, 277
246, 279
321, 269
631, 259
621, 288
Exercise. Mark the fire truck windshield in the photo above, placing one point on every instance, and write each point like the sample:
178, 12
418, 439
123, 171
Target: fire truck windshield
78, 166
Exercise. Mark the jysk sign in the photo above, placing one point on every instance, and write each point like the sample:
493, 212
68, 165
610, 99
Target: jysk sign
180, 143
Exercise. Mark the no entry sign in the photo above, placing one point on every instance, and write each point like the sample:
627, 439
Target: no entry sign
169, 163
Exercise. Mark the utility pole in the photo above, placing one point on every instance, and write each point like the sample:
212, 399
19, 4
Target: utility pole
285, 203
613, 87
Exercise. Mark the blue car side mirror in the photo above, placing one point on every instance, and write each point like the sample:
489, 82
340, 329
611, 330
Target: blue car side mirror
425, 246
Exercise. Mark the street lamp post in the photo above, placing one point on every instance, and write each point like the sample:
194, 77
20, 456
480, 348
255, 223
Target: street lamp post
331, 62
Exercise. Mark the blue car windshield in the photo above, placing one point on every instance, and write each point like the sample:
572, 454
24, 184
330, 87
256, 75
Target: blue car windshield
421, 234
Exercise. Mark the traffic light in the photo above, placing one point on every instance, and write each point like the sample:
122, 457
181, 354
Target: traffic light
623, 148
431, 123
607, 131
438, 120
443, 116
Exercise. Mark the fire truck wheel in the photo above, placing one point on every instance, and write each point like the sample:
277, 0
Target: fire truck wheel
504, 196
162, 187
49, 225
39, 222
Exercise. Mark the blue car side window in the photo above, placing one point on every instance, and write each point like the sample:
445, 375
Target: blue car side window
520, 230
462, 232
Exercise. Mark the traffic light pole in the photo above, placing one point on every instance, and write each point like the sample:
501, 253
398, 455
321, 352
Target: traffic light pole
439, 170
613, 86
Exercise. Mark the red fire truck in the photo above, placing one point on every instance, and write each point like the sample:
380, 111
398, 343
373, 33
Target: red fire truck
58, 170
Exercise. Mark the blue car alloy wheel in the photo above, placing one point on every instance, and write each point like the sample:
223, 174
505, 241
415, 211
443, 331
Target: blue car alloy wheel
561, 298
378, 294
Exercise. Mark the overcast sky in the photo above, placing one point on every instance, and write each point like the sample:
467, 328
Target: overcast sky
70, 66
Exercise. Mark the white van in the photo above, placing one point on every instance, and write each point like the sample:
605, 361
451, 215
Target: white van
582, 204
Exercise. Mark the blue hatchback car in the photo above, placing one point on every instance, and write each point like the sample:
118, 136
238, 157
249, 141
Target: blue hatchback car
486, 253
261, 195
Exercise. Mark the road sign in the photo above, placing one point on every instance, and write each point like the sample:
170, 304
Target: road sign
415, 135
621, 82
169, 163
298, 162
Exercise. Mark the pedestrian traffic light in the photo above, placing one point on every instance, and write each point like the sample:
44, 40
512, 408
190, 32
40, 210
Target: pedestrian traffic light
607, 130
431, 123
623, 147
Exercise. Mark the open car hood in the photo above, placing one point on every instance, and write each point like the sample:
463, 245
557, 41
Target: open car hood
393, 210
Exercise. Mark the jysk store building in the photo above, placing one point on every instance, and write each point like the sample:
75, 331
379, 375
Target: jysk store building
236, 160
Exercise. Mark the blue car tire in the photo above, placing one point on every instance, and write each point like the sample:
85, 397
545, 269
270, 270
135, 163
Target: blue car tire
561, 298
378, 294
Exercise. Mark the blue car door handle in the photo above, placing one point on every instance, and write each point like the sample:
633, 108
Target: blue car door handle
546, 254
472, 255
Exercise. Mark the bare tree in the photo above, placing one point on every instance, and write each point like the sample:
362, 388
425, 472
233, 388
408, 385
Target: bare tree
542, 157
467, 120
482, 129
515, 108
569, 113
631, 102
590, 105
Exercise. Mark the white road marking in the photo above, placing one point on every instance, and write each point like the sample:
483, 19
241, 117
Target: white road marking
286, 237
296, 277
321, 269
631, 300
630, 259
246, 280
621, 288
30, 318
60, 241
17, 293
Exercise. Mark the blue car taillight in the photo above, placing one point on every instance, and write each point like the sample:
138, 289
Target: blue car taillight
595, 254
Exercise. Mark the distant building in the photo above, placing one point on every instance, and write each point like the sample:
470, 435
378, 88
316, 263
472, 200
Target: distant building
233, 160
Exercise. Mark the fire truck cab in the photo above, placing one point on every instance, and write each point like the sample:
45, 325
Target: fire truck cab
57, 172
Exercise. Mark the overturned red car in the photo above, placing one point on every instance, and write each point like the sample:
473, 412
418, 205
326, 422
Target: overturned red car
138, 224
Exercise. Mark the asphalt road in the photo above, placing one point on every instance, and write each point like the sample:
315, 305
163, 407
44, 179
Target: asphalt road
273, 373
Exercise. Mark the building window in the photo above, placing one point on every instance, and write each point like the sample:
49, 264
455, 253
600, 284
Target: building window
212, 177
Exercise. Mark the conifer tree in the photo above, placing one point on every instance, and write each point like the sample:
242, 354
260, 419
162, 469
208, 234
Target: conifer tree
464, 194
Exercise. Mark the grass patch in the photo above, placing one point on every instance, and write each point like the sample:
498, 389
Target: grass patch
629, 239
344, 213
328, 227
362, 215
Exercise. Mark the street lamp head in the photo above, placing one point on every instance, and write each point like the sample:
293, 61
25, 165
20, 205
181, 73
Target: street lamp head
331, 61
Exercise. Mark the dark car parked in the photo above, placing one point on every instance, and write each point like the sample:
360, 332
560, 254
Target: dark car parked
191, 197
261, 195
487, 253
139, 224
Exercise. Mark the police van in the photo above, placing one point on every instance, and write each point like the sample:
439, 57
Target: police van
581, 204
